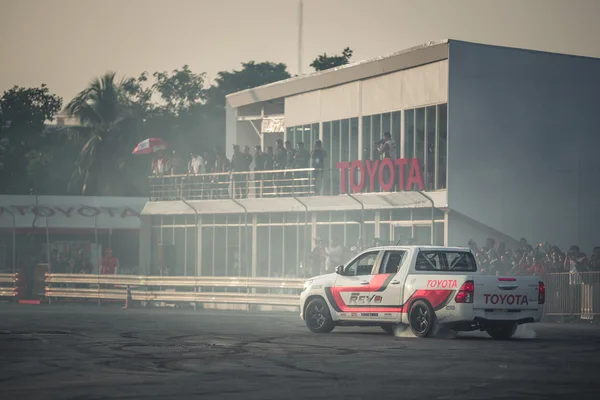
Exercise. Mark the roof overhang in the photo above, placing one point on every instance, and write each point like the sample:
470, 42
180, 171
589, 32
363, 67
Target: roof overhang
405, 59
370, 201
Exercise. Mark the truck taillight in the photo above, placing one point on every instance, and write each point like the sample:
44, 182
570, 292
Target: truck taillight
465, 294
541, 293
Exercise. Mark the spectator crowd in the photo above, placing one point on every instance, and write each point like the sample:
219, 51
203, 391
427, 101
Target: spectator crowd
285, 156
494, 258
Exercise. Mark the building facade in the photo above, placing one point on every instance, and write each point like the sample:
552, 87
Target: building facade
34, 227
490, 142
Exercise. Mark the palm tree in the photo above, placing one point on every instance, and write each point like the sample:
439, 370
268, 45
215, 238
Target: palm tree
106, 116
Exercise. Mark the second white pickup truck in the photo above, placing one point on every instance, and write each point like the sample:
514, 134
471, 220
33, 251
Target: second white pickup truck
424, 287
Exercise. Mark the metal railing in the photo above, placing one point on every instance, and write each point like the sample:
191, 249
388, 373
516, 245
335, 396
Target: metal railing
214, 290
567, 294
226, 185
263, 184
573, 294
10, 285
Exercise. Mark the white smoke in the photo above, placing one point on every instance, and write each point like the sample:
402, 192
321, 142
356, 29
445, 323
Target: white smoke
525, 331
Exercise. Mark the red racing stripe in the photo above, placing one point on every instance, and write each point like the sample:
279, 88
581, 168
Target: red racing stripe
435, 297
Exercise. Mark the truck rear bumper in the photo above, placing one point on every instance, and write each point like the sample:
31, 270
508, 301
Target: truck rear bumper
481, 318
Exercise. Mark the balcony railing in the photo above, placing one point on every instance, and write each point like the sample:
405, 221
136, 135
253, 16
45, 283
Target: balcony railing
259, 184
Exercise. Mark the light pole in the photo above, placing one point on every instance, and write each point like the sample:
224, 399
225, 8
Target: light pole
300, 22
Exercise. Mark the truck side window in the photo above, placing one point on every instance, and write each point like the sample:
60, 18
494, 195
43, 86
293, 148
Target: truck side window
363, 265
392, 262
445, 261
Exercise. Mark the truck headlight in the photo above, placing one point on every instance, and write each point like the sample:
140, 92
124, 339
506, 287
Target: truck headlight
306, 285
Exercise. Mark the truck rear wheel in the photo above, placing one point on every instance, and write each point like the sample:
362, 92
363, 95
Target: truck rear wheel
501, 330
421, 318
317, 316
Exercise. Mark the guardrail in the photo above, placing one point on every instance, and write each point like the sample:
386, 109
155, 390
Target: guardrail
567, 294
231, 290
10, 285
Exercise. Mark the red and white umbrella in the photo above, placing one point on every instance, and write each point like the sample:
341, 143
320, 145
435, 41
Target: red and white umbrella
151, 145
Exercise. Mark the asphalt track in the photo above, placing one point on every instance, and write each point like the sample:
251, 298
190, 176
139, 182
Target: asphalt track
96, 352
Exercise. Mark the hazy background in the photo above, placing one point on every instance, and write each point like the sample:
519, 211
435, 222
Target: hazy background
64, 43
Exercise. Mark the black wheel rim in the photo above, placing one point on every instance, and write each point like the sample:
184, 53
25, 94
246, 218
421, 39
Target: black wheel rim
420, 319
317, 316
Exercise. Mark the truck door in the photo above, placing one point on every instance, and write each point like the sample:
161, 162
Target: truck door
352, 290
386, 303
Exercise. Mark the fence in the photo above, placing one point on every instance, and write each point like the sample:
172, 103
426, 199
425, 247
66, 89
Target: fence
214, 290
225, 185
10, 286
567, 294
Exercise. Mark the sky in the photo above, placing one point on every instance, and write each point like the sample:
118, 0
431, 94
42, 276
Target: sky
65, 43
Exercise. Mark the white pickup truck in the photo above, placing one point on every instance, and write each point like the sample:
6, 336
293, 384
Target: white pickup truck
424, 287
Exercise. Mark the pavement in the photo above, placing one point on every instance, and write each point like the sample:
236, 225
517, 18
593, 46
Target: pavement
102, 352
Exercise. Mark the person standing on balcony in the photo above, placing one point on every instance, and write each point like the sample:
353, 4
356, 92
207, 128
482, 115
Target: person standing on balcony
317, 158
238, 164
302, 160
195, 167
279, 164
387, 149
196, 164
220, 182
260, 164
290, 177
248, 158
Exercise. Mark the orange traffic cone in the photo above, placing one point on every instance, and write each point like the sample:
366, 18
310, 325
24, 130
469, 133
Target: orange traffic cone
129, 298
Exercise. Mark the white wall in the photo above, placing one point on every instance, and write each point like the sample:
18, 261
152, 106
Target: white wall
462, 229
523, 143
419, 86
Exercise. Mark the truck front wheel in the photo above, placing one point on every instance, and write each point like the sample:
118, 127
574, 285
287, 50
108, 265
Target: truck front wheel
501, 330
318, 319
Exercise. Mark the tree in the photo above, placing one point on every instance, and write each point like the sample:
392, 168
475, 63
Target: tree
111, 127
23, 112
251, 75
324, 61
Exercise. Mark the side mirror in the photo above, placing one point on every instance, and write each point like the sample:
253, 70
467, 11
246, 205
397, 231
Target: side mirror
339, 270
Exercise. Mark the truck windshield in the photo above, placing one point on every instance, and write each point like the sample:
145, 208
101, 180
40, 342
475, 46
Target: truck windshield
446, 261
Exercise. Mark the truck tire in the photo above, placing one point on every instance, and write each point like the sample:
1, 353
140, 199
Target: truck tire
388, 328
317, 316
422, 319
501, 330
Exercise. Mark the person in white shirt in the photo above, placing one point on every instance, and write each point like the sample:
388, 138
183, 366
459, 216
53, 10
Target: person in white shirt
196, 164
195, 167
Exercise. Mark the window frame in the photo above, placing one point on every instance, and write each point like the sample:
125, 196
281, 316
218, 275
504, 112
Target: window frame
359, 257
443, 259
386, 258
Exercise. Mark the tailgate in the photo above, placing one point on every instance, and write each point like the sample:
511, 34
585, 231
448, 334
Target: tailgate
506, 293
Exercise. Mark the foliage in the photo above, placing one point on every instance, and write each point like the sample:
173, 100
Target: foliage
251, 75
324, 61
95, 158
23, 112
106, 114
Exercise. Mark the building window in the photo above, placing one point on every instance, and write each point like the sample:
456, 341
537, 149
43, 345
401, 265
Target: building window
420, 134
429, 161
442, 143
409, 133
